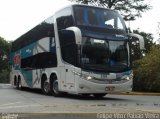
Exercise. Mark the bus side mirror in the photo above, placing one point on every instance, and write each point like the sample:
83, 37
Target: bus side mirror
140, 38
78, 35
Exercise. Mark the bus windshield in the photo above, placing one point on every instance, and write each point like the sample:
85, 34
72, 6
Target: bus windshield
106, 56
98, 17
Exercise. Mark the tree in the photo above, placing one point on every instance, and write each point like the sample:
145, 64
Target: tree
4, 54
129, 9
148, 42
158, 32
4, 63
147, 74
146, 69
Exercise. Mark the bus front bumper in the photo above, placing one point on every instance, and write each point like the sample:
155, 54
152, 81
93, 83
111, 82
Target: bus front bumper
85, 86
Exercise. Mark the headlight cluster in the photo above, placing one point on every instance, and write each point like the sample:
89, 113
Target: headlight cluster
86, 77
93, 79
128, 78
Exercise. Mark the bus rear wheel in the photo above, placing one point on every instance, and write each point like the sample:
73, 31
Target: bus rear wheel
45, 86
54, 86
19, 85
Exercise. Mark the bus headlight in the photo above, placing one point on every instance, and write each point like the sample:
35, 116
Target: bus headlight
128, 78
89, 78
86, 77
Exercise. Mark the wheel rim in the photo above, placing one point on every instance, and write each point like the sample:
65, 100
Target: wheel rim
55, 87
19, 84
46, 86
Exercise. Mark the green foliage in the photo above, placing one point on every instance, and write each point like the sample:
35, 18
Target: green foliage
147, 71
4, 60
148, 42
128, 8
4, 76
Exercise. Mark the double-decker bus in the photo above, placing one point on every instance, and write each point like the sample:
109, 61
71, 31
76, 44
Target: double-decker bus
81, 49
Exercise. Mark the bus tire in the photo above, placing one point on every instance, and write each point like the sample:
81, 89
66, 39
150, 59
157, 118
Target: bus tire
99, 95
15, 81
54, 86
44, 85
19, 83
85, 95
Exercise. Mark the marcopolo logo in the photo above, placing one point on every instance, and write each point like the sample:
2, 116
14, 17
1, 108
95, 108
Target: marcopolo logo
17, 59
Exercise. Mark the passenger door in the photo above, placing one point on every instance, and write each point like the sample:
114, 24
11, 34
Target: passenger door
69, 57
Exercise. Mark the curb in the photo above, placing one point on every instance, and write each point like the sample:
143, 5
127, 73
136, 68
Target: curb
136, 93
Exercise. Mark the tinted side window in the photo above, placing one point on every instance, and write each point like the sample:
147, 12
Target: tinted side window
40, 31
68, 47
65, 19
64, 22
41, 60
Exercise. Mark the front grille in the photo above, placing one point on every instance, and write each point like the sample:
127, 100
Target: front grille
107, 81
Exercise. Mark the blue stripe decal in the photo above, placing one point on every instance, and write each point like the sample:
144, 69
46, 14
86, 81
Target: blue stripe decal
27, 76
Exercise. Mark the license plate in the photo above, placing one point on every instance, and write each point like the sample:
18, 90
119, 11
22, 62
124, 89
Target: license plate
110, 88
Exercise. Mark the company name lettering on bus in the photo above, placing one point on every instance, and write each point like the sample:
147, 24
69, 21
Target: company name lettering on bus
28, 51
121, 36
17, 59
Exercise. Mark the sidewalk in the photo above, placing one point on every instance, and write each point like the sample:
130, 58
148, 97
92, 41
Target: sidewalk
136, 93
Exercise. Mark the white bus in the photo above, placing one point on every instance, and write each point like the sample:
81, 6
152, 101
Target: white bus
81, 49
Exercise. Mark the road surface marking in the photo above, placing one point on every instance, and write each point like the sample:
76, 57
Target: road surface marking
20, 106
8, 104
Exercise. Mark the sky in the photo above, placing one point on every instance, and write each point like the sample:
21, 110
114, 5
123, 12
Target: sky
149, 20
19, 16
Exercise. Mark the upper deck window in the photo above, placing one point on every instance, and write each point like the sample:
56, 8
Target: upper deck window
98, 17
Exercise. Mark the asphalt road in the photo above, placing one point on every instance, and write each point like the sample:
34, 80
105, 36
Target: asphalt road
28, 102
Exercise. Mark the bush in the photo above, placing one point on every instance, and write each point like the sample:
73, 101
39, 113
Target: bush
4, 76
147, 72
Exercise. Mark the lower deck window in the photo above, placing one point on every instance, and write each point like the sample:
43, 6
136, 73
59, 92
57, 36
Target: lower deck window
41, 60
